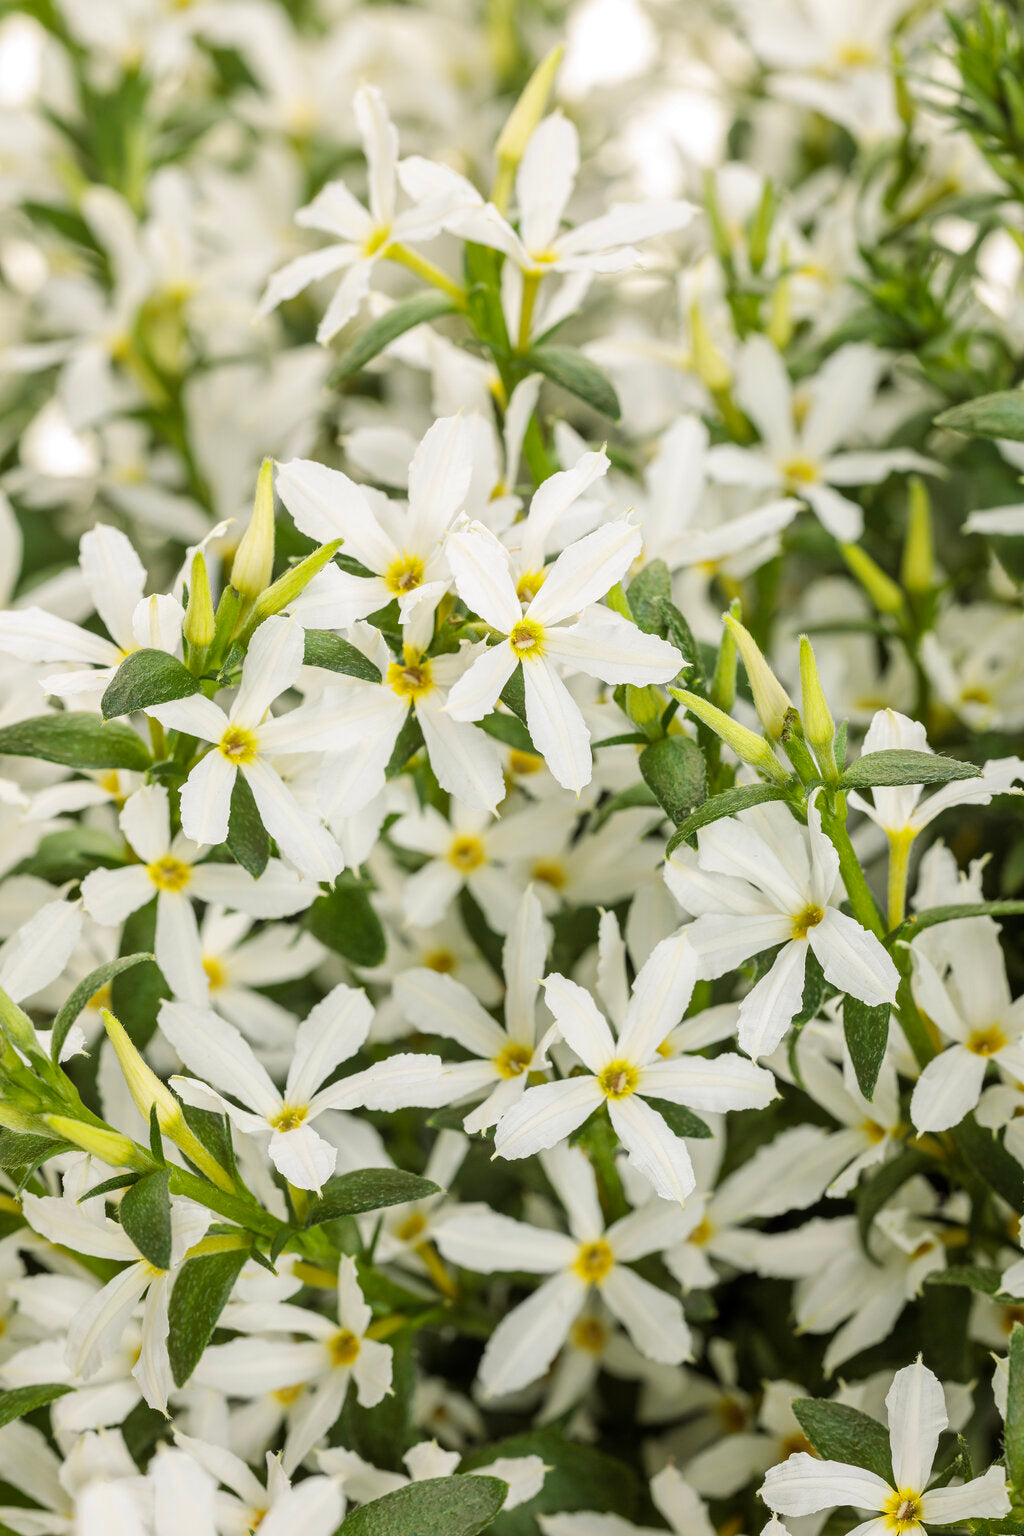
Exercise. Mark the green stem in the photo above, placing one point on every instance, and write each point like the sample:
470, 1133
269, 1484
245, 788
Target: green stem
531, 287
900, 844
429, 273
865, 910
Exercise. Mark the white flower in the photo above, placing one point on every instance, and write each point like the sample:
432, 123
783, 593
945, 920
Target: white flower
402, 548
625, 1072
673, 1497
314, 1506
329, 1356
526, 1340
760, 879
168, 871
361, 1481
96, 1330
435, 1004
335, 1029
245, 742
538, 637
36, 953
116, 580
797, 454
967, 998
804, 1485
365, 237
236, 962
465, 760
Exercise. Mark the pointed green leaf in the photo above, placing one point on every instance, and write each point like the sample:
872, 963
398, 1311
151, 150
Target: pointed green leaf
147, 677
346, 922
997, 415
201, 1292
905, 767
573, 371
330, 651
680, 1120
428, 305
102, 976
438, 1506
839, 1433
867, 1033
248, 840
728, 803
673, 768
76, 740
22, 1400
367, 1189
145, 1215
1015, 1410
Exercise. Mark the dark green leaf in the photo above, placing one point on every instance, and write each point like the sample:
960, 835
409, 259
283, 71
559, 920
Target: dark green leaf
429, 305
438, 1506
410, 739
839, 1433
201, 1292
676, 629
367, 1189
576, 373
645, 593
1014, 1437
511, 731
73, 853
102, 976
729, 803
905, 767
248, 839
680, 1120
932, 916
145, 1215
990, 1161
975, 1277
18, 1150
110, 1186
346, 922
22, 1400
867, 1032
136, 993
76, 741
513, 695
147, 677
674, 769
324, 649
997, 415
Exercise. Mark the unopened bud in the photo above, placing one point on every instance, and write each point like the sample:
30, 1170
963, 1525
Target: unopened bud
199, 619
748, 747
290, 586
149, 1093
520, 124
99, 1141
881, 589
253, 564
643, 707
709, 362
771, 700
17, 1025
780, 315
819, 726
917, 570
723, 684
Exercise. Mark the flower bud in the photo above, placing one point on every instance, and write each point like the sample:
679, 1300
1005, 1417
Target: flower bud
881, 589
253, 564
148, 1092
289, 586
771, 700
17, 1026
709, 362
520, 124
819, 726
748, 747
723, 684
199, 620
99, 1141
917, 569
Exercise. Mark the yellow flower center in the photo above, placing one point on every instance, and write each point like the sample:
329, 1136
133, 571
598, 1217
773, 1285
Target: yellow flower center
169, 874
410, 679
467, 853
238, 746
404, 574
873, 1131
513, 1060
732, 1414
593, 1261
809, 918
975, 694
440, 960
549, 872
702, 1233
618, 1080
856, 55
287, 1395
521, 764
289, 1117
986, 1042
528, 585
411, 1227
590, 1335
527, 639
373, 242
902, 1509
798, 472
344, 1347
215, 973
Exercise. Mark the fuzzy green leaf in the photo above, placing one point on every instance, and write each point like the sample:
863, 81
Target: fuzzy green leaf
22, 1400
839, 1433
428, 305
324, 649
248, 840
572, 371
367, 1189
145, 1215
905, 767
147, 677
996, 415
867, 1032
680, 1120
439, 1506
86, 989
673, 768
728, 803
346, 922
201, 1292
75, 740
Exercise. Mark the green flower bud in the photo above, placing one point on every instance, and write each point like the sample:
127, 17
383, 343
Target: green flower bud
253, 564
771, 700
748, 747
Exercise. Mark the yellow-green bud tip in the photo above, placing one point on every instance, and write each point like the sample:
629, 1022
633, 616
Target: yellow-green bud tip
748, 747
819, 726
198, 627
521, 122
771, 700
254, 558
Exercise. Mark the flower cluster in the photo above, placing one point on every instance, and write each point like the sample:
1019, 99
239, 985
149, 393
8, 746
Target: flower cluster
510, 763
